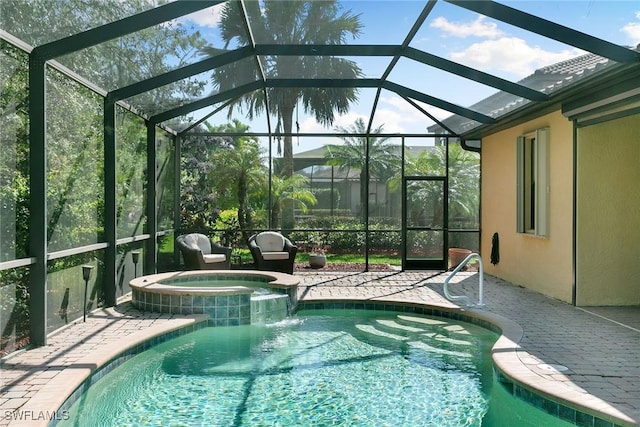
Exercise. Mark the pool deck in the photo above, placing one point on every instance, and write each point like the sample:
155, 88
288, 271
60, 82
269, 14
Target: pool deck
598, 346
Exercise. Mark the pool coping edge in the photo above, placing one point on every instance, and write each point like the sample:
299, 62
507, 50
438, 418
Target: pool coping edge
506, 353
56, 393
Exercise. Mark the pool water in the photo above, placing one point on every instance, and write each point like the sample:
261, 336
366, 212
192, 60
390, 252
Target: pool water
318, 368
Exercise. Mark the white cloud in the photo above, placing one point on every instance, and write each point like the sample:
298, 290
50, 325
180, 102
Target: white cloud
395, 114
412, 115
347, 120
632, 30
477, 28
510, 54
392, 121
209, 17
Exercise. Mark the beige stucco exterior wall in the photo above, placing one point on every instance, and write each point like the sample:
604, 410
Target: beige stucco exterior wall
608, 213
540, 264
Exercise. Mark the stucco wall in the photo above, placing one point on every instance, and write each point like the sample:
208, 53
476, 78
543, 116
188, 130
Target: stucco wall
540, 264
608, 213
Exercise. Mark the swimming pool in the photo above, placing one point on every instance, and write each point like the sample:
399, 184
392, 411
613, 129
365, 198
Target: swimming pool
324, 367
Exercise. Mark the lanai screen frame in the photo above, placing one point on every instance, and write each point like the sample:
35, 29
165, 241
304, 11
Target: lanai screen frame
44, 55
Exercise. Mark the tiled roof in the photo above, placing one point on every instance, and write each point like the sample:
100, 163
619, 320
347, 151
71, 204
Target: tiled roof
549, 79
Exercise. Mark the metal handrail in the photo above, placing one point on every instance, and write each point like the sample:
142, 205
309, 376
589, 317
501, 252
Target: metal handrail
463, 298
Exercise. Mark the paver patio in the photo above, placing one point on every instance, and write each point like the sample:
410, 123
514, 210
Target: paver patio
600, 347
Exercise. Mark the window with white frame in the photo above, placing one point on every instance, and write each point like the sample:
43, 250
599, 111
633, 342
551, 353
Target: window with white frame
533, 183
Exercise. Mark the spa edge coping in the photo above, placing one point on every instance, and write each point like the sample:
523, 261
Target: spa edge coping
506, 359
152, 282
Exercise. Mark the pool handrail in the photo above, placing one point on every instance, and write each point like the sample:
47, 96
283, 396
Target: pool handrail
463, 298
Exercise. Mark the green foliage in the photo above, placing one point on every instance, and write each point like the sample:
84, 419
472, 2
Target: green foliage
359, 151
328, 212
165, 188
345, 235
14, 310
292, 190
14, 156
198, 204
238, 173
282, 22
228, 228
115, 63
464, 188
130, 175
326, 197
75, 164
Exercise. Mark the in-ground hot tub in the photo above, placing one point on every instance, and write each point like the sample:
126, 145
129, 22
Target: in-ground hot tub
229, 297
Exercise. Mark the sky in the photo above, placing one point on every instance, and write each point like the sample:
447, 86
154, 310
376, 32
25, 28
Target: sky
459, 35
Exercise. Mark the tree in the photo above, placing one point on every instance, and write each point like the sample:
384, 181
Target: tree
289, 190
198, 201
237, 168
114, 63
74, 136
289, 22
14, 157
463, 183
383, 158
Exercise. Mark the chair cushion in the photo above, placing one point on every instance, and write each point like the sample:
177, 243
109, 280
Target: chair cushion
214, 258
198, 242
270, 241
270, 256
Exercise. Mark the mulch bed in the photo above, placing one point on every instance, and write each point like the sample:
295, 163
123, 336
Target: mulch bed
343, 266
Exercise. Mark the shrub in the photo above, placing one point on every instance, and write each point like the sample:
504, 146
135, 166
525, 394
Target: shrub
227, 227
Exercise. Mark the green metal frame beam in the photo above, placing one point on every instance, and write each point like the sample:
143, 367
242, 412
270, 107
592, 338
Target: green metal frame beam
410, 53
180, 73
151, 206
426, 11
323, 83
549, 29
375, 83
110, 204
124, 26
323, 50
328, 50
473, 74
205, 102
412, 32
38, 222
440, 103
312, 50
431, 116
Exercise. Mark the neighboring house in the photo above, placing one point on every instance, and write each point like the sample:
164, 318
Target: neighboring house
345, 183
561, 182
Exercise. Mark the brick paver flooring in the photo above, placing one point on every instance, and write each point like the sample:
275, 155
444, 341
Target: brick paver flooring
600, 347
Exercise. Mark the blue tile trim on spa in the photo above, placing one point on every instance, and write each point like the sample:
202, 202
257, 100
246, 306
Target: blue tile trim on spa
219, 277
224, 310
549, 406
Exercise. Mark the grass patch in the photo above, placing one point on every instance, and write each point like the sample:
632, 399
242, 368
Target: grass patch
355, 259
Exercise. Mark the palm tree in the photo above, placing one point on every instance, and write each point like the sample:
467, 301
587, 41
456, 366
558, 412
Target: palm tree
291, 191
464, 172
289, 22
383, 158
464, 178
237, 168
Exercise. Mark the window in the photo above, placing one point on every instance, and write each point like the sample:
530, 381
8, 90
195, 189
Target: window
533, 183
